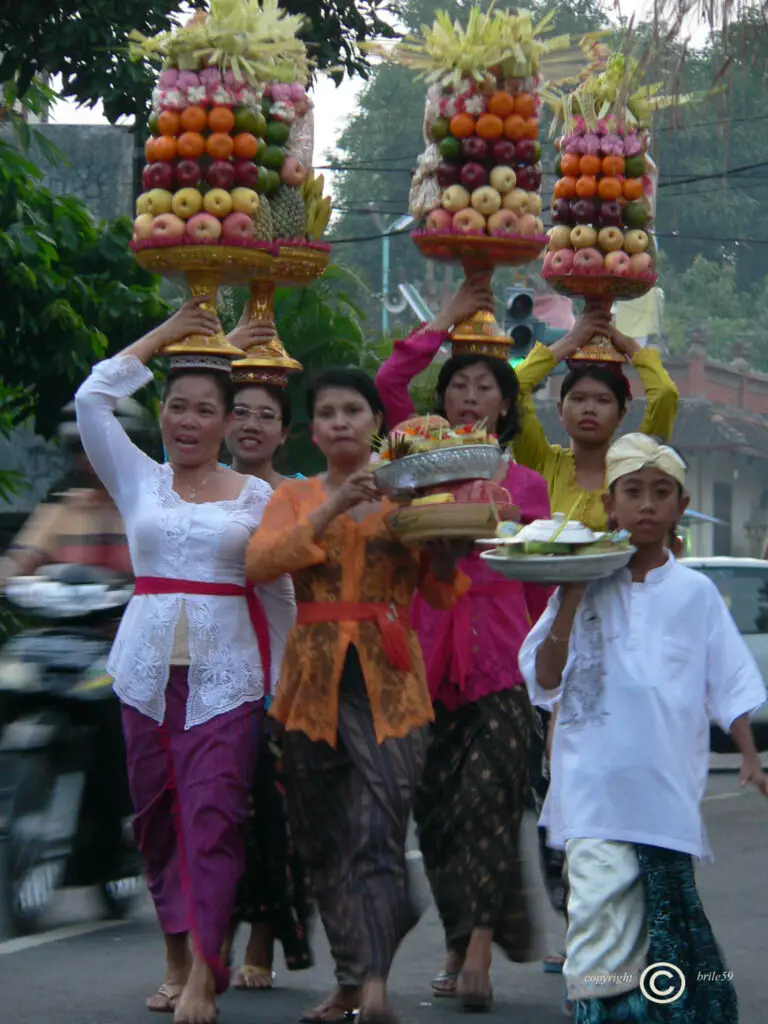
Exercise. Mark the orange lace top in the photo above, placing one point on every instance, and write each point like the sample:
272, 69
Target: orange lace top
352, 562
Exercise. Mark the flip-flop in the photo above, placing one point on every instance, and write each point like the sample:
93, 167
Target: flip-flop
320, 1014
553, 964
249, 973
170, 993
474, 991
447, 979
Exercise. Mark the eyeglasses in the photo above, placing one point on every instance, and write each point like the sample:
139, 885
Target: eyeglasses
243, 413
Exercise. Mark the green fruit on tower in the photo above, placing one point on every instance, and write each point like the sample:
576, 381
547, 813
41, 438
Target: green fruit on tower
635, 214
263, 222
289, 213
277, 133
634, 167
250, 119
154, 124
450, 149
440, 129
274, 157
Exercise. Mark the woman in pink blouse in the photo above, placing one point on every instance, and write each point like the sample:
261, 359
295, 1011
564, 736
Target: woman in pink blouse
470, 805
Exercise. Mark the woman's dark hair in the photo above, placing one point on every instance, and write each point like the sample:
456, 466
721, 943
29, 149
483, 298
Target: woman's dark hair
279, 394
222, 381
614, 380
344, 377
504, 376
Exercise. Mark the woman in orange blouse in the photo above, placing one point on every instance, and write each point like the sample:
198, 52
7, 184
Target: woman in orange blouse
353, 696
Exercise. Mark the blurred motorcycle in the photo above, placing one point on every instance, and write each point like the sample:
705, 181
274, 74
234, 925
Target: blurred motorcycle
65, 812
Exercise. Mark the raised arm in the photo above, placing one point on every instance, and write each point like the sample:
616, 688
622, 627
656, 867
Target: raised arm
412, 355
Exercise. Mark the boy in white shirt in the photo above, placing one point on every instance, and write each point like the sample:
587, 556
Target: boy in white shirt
639, 663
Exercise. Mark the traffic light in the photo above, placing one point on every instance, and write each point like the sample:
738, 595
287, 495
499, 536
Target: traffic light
519, 322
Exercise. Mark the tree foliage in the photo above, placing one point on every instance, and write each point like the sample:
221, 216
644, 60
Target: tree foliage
85, 43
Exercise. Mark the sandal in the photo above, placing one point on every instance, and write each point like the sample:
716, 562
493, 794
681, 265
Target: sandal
474, 990
165, 999
553, 964
444, 985
252, 978
328, 1012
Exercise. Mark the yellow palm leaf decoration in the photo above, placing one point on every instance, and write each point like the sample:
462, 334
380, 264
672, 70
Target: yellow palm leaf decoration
253, 38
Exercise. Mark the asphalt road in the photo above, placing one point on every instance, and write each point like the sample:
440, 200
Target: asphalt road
83, 971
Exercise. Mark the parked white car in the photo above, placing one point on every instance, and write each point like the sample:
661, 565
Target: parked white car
743, 582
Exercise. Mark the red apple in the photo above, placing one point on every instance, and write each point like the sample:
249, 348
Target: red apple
246, 173
562, 261
473, 176
525, 151
503, 152
609, 215
157, 176
439, 221
168, 226
474, 148
562, 212
237, 227
204, 227
503, 222
640, 264
527, 178
584, 211
588, 262
221, 174
188, 173
618, 263
447, 175
469, 222
547, 265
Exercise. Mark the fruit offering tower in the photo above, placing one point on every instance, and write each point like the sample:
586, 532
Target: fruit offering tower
601, 246
229, 194
476, 191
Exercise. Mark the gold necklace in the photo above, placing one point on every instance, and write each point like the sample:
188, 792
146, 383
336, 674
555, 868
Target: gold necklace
193, 491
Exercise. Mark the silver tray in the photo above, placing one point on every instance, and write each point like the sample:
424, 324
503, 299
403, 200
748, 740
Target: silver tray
555, 569
441, 466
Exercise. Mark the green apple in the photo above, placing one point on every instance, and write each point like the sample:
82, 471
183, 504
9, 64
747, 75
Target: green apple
159, 201
154, 124
250, 119
635, 215
440, 129
244, 200
274, 157
634, 166
277, 133
450, 149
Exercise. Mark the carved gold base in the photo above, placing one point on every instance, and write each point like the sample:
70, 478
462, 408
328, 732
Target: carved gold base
268, 362
599, 350
480, 335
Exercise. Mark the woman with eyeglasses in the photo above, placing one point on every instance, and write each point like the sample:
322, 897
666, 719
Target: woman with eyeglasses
273, 897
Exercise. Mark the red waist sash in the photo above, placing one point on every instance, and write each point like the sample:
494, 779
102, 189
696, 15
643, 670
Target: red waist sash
163, 585
392, 621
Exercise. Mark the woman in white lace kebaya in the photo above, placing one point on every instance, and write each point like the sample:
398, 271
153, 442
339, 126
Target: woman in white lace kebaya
194, 652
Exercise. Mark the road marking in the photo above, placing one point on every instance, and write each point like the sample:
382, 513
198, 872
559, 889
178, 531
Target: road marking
724, 796
57, 935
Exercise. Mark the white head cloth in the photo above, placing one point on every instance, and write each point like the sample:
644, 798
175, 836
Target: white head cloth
634, 452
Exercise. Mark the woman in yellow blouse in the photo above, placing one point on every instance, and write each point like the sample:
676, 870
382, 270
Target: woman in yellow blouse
593, 402
353, 695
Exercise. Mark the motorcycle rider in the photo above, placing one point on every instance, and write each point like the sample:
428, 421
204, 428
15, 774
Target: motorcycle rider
78, 524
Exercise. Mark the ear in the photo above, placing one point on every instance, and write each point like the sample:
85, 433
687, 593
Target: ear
609, 504
560, 410
685, 501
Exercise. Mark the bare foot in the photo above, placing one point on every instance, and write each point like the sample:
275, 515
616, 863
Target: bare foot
337, 1007
178, 963
196, 1004
373, 1005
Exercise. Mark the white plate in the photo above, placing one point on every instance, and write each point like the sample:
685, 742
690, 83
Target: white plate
554, 569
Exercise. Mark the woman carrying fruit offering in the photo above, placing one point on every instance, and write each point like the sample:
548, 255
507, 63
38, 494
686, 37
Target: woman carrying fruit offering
470, 804
353, 697
195, 650
273, 895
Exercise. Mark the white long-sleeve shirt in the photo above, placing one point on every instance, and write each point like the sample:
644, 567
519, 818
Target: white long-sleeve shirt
173, 538
649, 665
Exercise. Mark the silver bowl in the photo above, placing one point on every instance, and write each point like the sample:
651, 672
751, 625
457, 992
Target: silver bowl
441, 466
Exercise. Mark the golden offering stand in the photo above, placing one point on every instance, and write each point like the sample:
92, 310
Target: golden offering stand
206, 268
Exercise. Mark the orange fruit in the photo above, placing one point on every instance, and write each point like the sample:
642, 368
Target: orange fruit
164, 149
462, 126
531, 128
590, 164
565, 188
632, 188
525, 104
502, 104
586, 186
613, 165
149, 149
489, 126
194, 119
190, 145
570, 164
169, 123
221, 119
219, 146
246, 146
514, 127
609, 188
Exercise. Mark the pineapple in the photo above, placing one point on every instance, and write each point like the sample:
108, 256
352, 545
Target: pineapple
263, 222
289, 213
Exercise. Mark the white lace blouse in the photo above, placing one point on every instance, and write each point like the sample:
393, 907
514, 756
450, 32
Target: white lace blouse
173, 538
